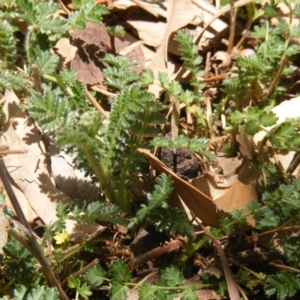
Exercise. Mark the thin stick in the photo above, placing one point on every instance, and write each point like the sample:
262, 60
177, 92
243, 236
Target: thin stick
156, 252
231, 29
284, 267
82, 270
96, 104
233, 291
36, 250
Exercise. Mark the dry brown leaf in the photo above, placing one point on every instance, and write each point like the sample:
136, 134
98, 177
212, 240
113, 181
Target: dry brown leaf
68, 179
148, 31
229, 165
202, 206
208, 185
3, 231
86, 61
136, 55
208, 201
65, 50
245, 143
156, 8
91, 49
180, 13
28, 170
242, 190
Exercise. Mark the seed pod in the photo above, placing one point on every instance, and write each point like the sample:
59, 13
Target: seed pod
246, 52
221, 60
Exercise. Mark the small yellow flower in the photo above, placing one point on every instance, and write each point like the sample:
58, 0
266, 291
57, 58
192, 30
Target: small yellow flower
61, 237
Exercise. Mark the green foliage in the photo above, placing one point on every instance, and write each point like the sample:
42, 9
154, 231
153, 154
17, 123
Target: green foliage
37, 293
278, 206
95, 275
169, 286
81, 289
11, 81
8, 44
284, 284
47, 63
199, 146
171, 277
40, 16
119, 271
116, 30
190, 56
119, 276
292, 250
86, 11
254, 118
158, 212
51, 109
19, 264
193, 99
109, 151
251, 281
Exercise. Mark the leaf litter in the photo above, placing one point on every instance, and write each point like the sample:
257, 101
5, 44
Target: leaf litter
150, 26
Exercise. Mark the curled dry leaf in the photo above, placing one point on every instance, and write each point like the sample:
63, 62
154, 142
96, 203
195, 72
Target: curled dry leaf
32, 179
202, 206
200, 201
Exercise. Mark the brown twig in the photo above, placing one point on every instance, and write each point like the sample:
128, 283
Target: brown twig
231, 28
282, 65
284, 267
154, 253
96, 104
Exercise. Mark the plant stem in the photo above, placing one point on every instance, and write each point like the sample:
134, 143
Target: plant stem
103, 178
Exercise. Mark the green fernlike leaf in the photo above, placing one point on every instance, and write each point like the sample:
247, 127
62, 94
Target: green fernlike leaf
95, 275
40, 293
268, 118
119, 271
188, 294
50, 108
237, 117
11, 81
47, 63
8, 43
87, 12
145, 292
171, 277
284, 284
20, 292
282, 135
163, 187
252, 127
84, 291
118, 292
116, 30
